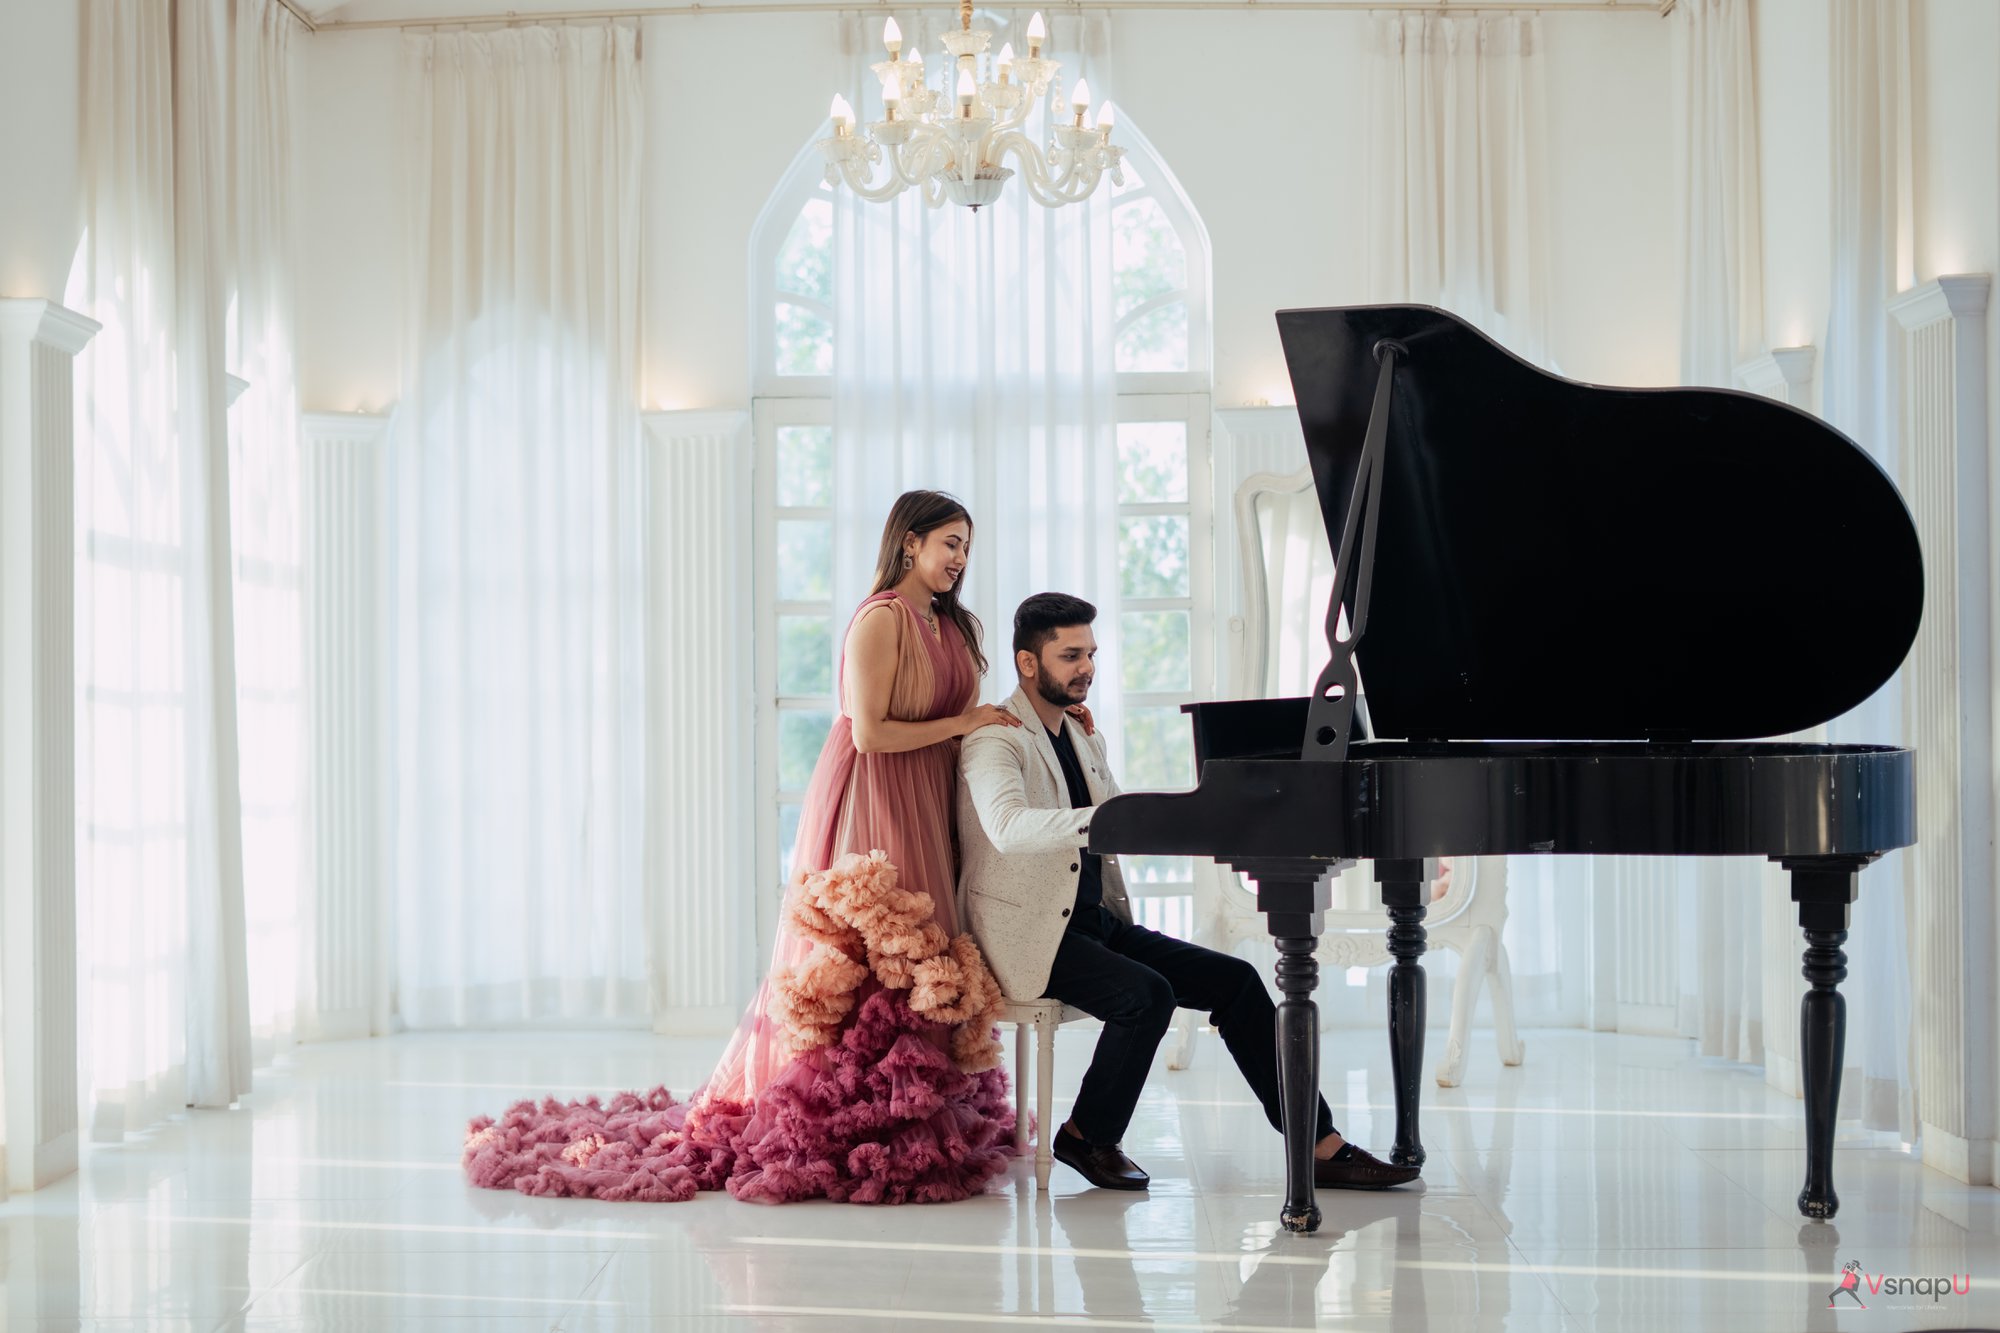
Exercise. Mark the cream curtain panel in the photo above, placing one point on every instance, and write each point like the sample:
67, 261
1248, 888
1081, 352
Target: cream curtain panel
186, 199
517, 693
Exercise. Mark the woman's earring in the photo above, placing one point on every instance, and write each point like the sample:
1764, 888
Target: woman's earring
908, 560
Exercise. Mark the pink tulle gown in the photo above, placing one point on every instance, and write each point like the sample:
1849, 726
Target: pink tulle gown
866, 1069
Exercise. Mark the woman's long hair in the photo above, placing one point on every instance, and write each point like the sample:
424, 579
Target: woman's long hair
921, 512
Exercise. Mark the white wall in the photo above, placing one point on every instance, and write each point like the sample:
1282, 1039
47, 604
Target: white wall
40, 95
1259, 115
351, 222
1795, 152
1956, 148
713, 156
1615, 218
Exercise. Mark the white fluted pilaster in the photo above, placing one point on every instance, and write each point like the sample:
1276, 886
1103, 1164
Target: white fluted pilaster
39, 341
1948, 717
1783, 373
342, 480
700, 710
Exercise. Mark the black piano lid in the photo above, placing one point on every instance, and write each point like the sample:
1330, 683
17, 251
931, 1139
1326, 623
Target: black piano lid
1564, 561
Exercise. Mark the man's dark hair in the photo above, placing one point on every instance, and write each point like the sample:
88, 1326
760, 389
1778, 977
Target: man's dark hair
1043, 614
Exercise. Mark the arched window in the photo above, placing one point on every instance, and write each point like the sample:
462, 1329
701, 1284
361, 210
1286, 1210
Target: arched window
792, 254
802, 278
1161, 296
1159, 301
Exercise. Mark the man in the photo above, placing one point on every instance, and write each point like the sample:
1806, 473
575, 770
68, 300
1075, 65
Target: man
1054, 920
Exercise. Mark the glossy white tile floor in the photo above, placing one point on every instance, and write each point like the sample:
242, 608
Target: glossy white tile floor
1609, 1183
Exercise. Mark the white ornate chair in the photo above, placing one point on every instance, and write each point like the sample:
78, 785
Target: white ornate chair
1043, 1017
1288, 576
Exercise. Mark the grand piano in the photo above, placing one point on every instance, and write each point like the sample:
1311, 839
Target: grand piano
1574, 604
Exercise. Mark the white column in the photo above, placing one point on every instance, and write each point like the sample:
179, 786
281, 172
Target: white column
1786, 374
1948, 718
1783, 373
341, 500
39, 341
700, 713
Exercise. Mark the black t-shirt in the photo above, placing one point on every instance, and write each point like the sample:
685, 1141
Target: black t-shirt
1090, 877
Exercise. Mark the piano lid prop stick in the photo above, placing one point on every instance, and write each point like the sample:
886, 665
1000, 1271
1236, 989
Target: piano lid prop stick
1330, 720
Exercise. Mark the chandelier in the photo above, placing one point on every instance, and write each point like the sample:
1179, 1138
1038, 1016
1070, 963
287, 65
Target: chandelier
953, 146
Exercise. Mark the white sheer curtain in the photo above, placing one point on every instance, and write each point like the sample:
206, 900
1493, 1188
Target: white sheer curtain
185, 199
1457, 217
219, 1058
1457, 171
1721, 916
1722, 245
134, 529
264, 470
974, 354
517, 636
1873, 259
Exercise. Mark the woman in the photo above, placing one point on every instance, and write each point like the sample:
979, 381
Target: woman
866, 1068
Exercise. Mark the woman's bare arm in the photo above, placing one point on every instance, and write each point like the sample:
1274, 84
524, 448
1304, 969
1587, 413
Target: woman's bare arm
871, 679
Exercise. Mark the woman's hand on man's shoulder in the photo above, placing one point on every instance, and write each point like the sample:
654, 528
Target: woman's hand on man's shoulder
986, 715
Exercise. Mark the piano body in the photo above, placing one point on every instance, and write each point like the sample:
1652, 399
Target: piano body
1572, 603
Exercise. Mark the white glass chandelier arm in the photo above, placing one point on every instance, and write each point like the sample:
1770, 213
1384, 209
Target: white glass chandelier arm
1067, 187
855, 173
925, 154
1013, 118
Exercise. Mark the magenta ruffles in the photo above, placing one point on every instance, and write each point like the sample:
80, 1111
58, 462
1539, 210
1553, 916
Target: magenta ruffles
891, 1096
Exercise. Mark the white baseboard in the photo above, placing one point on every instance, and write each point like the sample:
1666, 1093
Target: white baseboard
703, 1020
1969, 1160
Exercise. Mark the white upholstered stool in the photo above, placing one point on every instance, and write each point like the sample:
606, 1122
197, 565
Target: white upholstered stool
1044, 1016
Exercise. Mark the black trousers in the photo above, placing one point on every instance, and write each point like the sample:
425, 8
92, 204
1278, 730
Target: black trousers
1134, 978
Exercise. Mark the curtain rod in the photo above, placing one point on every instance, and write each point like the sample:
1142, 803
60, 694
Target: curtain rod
1658, 8
304, 18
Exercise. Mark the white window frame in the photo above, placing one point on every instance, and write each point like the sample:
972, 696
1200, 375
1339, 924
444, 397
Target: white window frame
786, 400
1199, 507
804, 181
768, 416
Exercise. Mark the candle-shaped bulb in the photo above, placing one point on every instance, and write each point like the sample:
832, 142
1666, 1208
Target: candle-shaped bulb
967, 90
892, 91
1080, 96
842, 113
1006, 59
1038, 32
917, 58
1104, 117
892, 37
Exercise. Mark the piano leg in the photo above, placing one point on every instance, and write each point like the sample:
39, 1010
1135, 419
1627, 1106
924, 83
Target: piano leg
1824, 890
1294, 896
1298, 1075
1406, 893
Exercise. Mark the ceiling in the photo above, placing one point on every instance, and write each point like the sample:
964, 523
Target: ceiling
337, 12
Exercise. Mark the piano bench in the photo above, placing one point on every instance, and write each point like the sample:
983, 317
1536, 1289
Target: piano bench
1044, 1017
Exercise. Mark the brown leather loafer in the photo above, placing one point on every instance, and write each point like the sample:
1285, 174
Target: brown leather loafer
1105, 1166
1354, 1168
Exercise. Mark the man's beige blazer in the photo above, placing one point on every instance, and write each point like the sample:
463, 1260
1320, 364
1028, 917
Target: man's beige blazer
1019, 844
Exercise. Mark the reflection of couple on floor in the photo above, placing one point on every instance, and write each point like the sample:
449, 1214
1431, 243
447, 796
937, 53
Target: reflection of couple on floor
866, 1068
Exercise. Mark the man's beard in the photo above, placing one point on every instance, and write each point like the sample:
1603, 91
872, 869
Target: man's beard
1058, 695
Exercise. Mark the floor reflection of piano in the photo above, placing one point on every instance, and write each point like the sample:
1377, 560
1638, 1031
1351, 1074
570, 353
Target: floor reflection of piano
1606, 587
